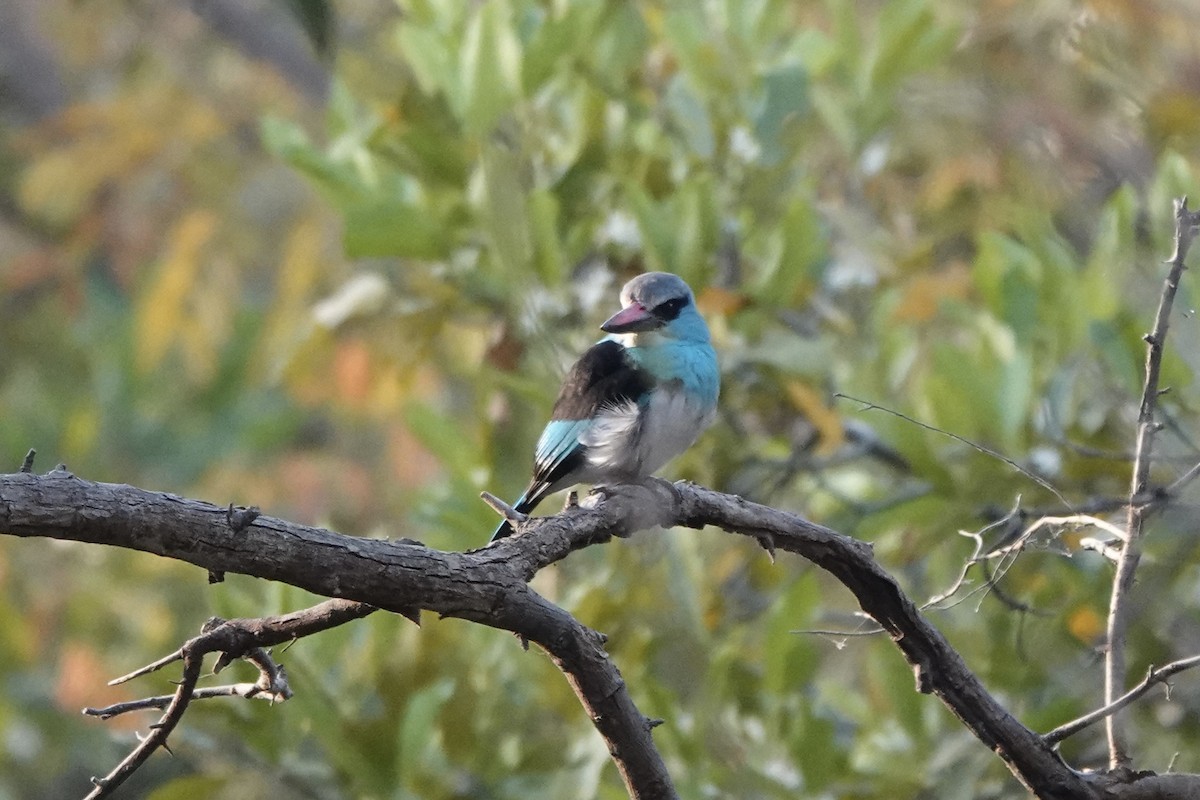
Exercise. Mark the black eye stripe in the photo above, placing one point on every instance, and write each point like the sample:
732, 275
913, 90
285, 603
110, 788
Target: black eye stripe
669, 309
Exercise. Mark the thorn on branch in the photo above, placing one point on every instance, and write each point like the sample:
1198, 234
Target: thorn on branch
223, 661
767, 542
241, 518
247, 639
27, 464
572, 500
653, 722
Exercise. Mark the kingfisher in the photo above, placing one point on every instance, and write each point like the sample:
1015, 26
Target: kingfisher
635, 400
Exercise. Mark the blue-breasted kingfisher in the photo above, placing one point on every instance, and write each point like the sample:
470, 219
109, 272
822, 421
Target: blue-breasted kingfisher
635, 400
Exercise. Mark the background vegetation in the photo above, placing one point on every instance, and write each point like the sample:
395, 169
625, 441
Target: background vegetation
332, 261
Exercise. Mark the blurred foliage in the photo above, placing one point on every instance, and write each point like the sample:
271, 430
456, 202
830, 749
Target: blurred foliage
357, 316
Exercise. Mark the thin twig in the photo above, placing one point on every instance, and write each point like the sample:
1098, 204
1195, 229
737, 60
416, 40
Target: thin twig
1183, 480
1114, 657
146, 670
1154, 675
103, 787
936, 600
246, 690
232, 639
1040, 481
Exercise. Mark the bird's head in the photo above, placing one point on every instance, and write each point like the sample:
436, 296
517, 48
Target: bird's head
657, 301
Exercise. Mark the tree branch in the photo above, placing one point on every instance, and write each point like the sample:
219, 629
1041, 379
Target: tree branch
1154, 675
489, 586
1131, 550
239, 638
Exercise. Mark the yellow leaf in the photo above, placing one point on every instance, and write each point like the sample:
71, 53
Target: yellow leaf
812, 405
723, 302
925, 293
296, 278
80, 432
948, 178
1086, 625
1174, 113
161, 309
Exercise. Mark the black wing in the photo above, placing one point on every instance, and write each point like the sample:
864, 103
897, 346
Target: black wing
602, 377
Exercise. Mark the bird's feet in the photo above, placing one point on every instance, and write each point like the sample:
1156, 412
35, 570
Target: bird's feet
649, 498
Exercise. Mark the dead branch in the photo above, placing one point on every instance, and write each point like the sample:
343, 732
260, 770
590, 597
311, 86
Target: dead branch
1154, 676
1115, 666
246, 639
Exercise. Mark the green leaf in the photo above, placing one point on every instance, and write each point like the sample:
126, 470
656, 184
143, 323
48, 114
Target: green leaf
444, 436
190, 787
318, 19
909, 38
380, 227
288, 141
549, 259
1008, 275
1015, 395
790, 658
657, 227
559, 37
419, 739
785, 102
1102, 280
691, 117
490, 62
428, 54
617, 47
802, 251
505, 217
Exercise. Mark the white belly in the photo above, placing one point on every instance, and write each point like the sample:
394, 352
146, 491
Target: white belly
627, 443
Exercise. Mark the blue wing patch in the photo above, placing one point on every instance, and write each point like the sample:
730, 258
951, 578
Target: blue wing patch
558, 441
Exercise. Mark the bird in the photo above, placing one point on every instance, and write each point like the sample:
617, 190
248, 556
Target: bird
634, 400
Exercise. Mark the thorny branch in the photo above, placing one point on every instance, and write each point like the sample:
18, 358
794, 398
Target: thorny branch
1186, 223
1154, 676
232, 639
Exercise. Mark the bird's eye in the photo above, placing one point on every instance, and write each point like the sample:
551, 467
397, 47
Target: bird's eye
669, 309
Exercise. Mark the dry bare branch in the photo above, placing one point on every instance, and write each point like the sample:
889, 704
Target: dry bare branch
1186, 223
